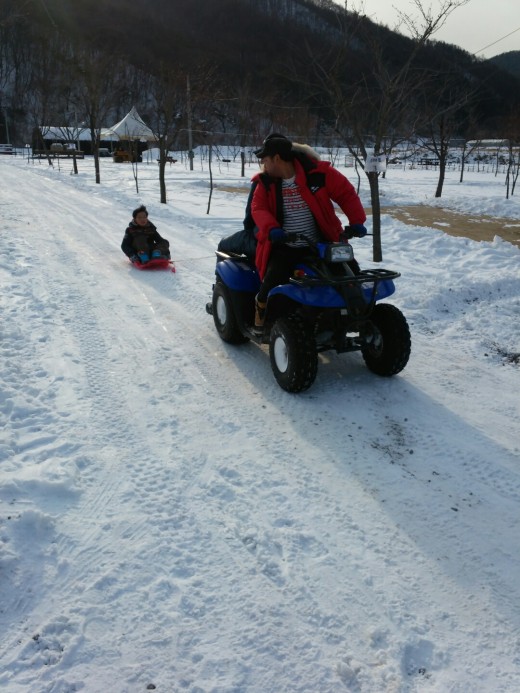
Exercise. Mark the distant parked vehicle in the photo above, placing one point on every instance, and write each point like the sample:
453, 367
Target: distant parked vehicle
103, 151
6, 149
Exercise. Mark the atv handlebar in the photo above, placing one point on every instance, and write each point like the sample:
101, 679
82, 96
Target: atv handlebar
349, 233
344, 237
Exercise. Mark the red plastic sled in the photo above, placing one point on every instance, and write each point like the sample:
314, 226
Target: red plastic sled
156, 263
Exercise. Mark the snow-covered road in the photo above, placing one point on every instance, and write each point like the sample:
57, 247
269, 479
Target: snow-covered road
170, 517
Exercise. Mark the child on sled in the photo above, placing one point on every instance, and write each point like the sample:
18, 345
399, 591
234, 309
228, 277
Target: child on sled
142, 241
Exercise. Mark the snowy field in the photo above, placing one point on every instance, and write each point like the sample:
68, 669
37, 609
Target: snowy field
171, 520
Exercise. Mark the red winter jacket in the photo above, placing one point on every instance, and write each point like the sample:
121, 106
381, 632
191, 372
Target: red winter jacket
319, 184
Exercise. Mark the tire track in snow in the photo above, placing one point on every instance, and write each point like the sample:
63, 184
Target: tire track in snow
220, 482
275, 518
260, 543
93, 349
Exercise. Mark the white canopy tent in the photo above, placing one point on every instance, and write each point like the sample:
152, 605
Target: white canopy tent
132, 127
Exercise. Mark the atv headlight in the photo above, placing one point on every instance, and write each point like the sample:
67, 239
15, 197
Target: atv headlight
340, 252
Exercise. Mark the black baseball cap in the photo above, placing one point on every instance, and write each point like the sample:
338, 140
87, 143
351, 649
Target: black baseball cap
274, 144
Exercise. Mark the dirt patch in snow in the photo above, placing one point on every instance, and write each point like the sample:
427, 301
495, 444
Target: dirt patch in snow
476, 227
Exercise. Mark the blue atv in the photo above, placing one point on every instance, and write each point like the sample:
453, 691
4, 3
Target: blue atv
328, 304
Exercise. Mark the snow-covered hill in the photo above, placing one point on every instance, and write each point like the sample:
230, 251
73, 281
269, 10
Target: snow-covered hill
171, 520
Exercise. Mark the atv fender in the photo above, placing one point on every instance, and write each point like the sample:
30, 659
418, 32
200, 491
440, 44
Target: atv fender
238, 275
317, 297
384, 288
328, 296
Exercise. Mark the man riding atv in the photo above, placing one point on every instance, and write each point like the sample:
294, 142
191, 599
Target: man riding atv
305, 293
293, 197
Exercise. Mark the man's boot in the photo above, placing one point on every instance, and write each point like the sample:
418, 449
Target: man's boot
259, 313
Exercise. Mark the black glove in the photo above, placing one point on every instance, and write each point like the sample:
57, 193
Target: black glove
277, 235
358, 230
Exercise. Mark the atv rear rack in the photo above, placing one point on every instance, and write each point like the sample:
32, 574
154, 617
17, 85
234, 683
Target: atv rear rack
370, 275
359, 291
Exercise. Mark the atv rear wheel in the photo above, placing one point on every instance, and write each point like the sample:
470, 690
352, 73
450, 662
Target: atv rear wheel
292, 350
224, 316
387, 349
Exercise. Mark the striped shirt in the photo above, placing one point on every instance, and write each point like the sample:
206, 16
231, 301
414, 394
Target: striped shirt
297, 217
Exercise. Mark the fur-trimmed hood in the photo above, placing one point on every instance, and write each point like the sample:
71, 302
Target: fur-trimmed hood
305, 149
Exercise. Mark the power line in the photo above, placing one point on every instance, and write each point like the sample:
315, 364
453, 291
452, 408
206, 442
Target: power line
498, 40
51, 19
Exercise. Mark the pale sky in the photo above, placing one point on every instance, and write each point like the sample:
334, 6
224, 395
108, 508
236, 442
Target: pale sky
472, 27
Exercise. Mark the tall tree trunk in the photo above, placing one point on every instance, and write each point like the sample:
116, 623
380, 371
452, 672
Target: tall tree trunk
162, 182
377, 252
163, 152
443, 159
440, 182
210, 156
462, 163
96, 166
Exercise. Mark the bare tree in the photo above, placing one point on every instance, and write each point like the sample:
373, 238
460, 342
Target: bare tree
468, 148
7, 67
371, 113
99, 87
236, 111
167, 115
512, 129
42, 97
445, 110
68, 111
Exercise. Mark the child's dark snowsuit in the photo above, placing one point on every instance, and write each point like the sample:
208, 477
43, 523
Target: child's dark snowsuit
145, 239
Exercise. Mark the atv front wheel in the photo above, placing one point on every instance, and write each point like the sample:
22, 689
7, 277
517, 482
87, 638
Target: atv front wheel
224, 316
387, 341
292, 350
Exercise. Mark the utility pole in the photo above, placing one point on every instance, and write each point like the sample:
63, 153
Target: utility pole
8, 141
188, 108
4, 109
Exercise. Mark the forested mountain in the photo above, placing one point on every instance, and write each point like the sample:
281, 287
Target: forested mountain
510, 62
292, 65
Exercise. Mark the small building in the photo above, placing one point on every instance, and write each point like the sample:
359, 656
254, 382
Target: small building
46, 138
125, 141
488, 144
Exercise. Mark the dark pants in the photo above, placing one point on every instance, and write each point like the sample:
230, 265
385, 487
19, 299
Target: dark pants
143, 244
242, 243
282, 262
